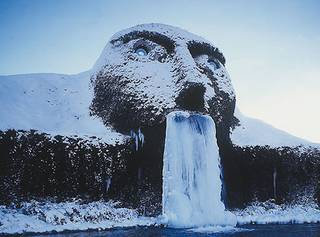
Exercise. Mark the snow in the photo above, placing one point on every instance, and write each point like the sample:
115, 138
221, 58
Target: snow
72, 215
157, 84
56, 104
254, 132
40, 217
174, 33
268, 212
150, 83
191, 173
59, 104
220, 74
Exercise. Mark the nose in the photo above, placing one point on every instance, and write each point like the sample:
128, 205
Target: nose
191, 97
185, 67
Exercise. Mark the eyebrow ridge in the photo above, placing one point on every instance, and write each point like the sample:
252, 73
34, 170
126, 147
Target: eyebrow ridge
197, 48
158, 38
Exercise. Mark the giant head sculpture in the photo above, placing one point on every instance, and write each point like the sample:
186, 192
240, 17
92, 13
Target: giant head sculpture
149, 70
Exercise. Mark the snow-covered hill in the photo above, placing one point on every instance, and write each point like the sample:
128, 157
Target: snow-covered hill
254, 132
51, 103
59, 104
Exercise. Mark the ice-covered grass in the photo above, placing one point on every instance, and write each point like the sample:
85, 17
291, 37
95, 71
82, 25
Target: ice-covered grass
73, 215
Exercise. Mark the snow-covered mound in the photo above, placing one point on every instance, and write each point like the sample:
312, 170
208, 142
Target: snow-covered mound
72, 215
51, 103
254, 132
269, 212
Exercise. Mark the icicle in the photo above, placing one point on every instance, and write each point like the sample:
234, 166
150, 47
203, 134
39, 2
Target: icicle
108, 184
138, 138
134, 136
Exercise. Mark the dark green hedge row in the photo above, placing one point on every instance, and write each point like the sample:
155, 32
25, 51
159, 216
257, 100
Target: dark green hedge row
261, 173
36, 165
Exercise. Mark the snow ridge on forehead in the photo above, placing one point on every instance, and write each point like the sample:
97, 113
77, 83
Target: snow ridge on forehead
175, 33
171, 32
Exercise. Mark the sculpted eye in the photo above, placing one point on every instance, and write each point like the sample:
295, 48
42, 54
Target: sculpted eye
141, 52
214, 64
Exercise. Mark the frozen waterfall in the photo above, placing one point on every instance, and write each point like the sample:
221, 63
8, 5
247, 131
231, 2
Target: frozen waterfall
191, 173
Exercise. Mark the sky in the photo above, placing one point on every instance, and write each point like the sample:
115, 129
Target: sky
272, 47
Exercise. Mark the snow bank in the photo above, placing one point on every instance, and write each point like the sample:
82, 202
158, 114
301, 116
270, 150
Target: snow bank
268, 212
56, 104
73, 215
40, 217
254, 132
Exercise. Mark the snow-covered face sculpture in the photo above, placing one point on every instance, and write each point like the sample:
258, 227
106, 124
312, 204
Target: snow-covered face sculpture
149, 70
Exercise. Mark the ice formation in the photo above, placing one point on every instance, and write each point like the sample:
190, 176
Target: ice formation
138, 139
191, 173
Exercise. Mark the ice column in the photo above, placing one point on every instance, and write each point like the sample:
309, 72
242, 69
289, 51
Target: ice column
191, 173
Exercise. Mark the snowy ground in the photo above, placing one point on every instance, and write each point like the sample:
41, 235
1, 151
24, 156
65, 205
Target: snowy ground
268, 212
75, 215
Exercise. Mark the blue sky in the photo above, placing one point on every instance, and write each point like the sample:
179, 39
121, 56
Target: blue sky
272, 47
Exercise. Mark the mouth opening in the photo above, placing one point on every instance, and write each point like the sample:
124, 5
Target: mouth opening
192, 98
